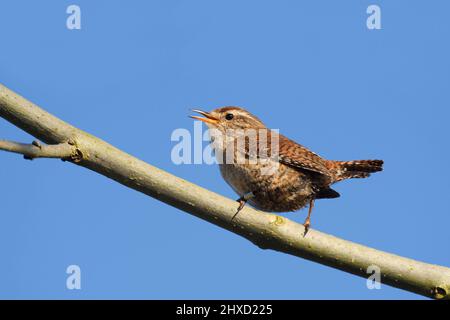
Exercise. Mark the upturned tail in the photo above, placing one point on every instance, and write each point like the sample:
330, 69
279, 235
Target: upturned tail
355, 169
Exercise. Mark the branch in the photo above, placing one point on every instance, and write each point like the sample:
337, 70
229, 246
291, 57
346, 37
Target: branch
36, 150
268, 231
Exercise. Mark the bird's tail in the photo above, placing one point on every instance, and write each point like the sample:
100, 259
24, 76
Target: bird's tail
355, 169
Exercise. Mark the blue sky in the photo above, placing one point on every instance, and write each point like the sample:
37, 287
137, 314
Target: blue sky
310, 68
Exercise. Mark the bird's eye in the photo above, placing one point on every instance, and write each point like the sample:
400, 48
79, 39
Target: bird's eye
229, 116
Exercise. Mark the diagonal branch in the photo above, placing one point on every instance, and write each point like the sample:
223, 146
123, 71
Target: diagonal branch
36, 150
268, 231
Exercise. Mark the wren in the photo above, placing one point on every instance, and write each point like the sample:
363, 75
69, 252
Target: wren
284, 175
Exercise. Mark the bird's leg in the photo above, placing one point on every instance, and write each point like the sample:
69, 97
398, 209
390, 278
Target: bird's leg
242, 201
307, 222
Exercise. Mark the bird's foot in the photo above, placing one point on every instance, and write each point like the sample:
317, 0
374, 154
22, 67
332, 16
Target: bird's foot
306, 224
242, 201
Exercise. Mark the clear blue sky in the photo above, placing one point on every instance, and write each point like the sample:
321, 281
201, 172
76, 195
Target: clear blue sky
129, 76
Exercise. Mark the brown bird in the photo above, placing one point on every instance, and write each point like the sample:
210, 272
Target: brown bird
287, 176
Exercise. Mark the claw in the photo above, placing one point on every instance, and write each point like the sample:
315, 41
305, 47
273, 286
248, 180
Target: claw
306, 224
241, 206
242, 201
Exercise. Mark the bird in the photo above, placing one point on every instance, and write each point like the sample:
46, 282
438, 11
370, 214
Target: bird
285, 176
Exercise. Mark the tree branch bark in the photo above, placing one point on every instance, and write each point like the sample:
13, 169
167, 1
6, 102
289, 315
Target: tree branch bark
268, 231
36, 150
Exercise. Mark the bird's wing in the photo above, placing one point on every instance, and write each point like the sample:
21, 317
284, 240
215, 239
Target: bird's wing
288, 152
297, 156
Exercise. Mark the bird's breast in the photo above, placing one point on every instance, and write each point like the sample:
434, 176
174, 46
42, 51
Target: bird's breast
277, 187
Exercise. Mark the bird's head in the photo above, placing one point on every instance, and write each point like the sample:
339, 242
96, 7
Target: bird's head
226, 118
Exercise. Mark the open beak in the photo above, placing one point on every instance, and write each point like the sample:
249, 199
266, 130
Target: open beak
208, 117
